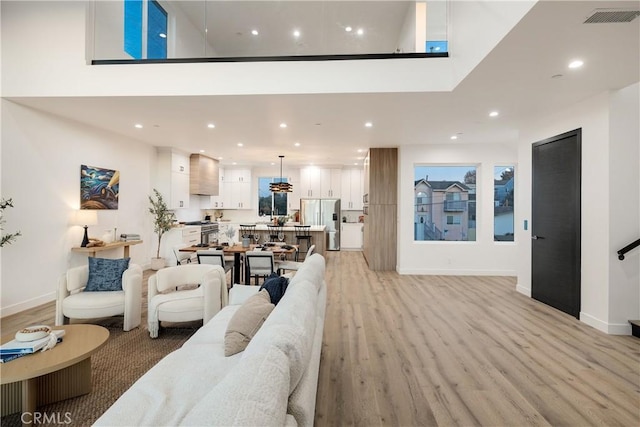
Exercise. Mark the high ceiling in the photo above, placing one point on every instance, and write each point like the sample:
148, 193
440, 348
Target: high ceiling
525, 75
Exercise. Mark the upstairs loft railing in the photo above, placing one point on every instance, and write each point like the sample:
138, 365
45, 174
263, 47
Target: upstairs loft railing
628, 248
150, 31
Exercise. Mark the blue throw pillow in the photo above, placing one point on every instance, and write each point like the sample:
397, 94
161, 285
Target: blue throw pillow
106, 274
276, 286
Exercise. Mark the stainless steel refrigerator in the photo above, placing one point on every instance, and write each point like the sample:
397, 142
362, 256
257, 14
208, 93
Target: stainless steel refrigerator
323, 212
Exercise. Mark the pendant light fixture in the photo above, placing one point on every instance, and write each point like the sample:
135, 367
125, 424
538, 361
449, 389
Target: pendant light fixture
281, 186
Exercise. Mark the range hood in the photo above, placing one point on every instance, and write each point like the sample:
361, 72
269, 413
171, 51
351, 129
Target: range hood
203, 175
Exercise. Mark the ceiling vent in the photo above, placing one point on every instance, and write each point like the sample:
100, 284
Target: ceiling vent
612, 16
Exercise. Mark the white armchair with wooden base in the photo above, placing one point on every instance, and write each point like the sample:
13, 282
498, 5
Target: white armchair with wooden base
185, 293
73, 303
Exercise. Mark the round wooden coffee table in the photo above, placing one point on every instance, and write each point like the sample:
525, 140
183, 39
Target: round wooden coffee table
57, 374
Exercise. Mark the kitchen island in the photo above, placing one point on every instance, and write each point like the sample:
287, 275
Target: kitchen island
318, 234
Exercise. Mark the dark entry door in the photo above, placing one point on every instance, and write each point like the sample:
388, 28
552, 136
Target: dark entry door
555, 222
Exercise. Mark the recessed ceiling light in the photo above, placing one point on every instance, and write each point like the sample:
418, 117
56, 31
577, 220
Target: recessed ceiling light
360, 158
138, 126
360, 150
355, 163
296, 33
211, 126
493, 114
272, 163
360, 31
162, 35
348, 29
220, 158
576, 64
234, 163
240, 144
454, 136
254, 32
297, 144
202, 151
283, 125
368, 124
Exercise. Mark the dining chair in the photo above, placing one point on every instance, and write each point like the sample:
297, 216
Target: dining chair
214, 257
294, 265
183, 257
258, 264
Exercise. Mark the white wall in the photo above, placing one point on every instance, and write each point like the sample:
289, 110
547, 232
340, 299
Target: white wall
45, 41
482, 257
41, 158
624, 202
608, 167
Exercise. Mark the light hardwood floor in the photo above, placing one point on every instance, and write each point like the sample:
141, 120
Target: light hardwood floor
445, 350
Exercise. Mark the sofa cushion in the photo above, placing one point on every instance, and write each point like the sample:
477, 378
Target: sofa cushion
246, 321
254, 393
105, 275
290, 327
276, 286
312, 269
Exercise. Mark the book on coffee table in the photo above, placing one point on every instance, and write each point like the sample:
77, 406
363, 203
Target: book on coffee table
27, 347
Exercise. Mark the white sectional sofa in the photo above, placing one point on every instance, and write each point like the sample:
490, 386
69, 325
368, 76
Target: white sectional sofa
273, 382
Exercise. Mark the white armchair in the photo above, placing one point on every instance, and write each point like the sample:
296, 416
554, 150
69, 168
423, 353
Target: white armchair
73, 303
170, 300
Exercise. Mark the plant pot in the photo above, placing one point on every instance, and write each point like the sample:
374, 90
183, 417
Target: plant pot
157, 263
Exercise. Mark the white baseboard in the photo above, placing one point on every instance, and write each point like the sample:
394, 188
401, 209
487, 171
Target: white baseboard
523, 290
607, 328
427, 272
26, 305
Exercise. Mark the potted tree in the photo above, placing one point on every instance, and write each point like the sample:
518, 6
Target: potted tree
6, 239
163, 218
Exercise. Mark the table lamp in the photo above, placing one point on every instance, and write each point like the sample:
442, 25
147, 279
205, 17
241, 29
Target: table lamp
86, 218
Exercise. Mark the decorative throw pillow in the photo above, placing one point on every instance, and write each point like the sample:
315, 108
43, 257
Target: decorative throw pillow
246, 322
276, 286
106, 274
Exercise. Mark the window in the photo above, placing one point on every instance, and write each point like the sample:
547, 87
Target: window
150, 32
133, 28
271, 204
503, 203
445, 199
156, 31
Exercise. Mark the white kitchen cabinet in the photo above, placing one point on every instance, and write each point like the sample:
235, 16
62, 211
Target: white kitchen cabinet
217, 202
330, 183
172, 179
236, 189
310, 182
352, 189
351, 236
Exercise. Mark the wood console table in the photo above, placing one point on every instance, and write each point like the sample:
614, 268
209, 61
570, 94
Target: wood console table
92, 250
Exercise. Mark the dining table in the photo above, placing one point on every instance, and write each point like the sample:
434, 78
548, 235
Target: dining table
238, 249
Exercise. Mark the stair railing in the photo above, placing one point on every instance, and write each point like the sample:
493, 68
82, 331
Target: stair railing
627, 248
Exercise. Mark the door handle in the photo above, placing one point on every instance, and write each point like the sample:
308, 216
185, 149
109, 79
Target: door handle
534, 237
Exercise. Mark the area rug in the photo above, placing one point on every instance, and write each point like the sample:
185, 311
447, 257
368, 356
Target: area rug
115, 367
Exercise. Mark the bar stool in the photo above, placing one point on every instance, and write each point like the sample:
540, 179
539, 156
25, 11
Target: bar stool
247, 230
303, 233
274, 232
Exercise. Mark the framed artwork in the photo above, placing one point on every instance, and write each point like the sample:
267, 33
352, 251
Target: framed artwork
99, 188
